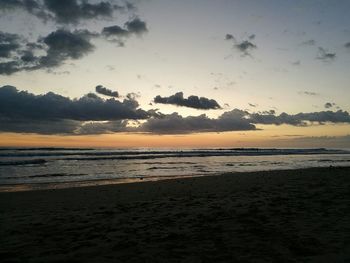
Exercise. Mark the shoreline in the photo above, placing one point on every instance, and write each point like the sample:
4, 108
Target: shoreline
6, 188
275, 216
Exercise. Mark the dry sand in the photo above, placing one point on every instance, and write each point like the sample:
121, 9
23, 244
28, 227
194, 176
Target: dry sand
280, 216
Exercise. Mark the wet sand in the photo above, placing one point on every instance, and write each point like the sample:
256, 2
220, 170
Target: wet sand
277, 216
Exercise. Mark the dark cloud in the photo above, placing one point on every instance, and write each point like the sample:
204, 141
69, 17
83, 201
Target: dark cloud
59, 46
24, 112
18, 54
347, 45
325, 55
309, 93
329, 105
245, 46
176, 124
16, 104
63, 45
107, 92
235, 120
8, 44
115, 31
251, 37
229, 37
136, 26
67, 11
301, 119
191, 102
118, 34
72, 11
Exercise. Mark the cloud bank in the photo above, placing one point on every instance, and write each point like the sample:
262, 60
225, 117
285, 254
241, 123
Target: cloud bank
23, 112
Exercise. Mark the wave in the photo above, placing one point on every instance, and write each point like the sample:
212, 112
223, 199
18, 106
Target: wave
23, 162
57, 152
100, 155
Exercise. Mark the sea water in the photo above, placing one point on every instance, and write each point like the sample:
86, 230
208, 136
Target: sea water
67, 165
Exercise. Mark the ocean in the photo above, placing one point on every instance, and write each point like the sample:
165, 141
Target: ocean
32, 168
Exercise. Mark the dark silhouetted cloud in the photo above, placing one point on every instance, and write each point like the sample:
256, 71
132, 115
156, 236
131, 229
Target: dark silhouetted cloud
229, 37
329, 105
59, 46
347, 45
67, 11
24, 112
136, 26
245, 46
115, 31
118, 34
191, 102
176, 124
309, 93
19, 54
23, 105
107, 92
8, 44
325, 55
63, 44
72, 11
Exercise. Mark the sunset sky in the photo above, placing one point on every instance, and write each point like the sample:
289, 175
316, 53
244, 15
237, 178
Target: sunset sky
164, 73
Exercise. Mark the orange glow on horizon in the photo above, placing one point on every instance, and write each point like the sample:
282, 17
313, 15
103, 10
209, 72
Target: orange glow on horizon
269, 136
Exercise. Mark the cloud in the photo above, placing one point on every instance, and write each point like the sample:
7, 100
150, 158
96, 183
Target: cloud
63, 45
50, 113
118, 34
244, 46
59, 46
115, 31
325, 55
329, 105
136, 26
8, 44
310, 42
191, 102
107, 92
176, 124
309, 93
300, 119
347, 45
66, 11
16, 104
72, 11
19, 54
229, 37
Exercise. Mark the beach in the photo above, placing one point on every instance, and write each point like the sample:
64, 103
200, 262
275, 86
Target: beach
270, 216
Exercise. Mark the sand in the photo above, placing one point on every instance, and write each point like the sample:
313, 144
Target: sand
279, 216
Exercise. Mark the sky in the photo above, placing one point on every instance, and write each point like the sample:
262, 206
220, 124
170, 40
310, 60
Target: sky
162, 73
